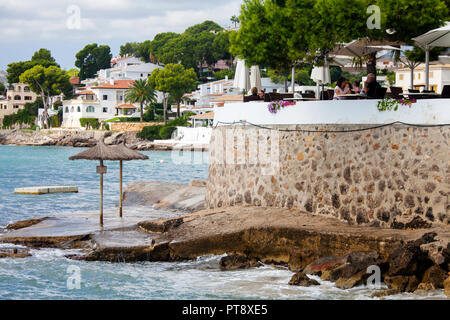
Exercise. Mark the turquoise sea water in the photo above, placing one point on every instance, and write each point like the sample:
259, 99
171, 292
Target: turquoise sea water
45, 274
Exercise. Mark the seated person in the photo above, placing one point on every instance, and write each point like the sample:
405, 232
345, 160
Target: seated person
340, 88
261, 94
371, 85
356, 88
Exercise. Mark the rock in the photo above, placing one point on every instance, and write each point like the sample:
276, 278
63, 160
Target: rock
407, 259
299, 259
301, 279
422, 288
402, 283
24, 223
352, 281
416, 223
353, 271
435, 276
161, 226
384, 293
447, 287
323, 264
165, 195
14, 253
238, 261
198, 183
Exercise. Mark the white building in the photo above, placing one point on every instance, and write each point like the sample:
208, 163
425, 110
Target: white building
439, 77
103, 102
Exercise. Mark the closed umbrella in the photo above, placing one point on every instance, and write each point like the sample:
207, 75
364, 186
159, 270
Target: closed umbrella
321, 75
242, 76
439, 37
255, 78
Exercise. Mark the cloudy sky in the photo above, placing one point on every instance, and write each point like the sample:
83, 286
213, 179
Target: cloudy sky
27, 25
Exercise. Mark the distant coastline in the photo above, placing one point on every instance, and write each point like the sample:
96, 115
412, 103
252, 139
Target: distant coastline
85, 139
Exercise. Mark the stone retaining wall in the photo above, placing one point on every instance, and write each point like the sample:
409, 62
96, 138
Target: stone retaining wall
131, 126
382, 177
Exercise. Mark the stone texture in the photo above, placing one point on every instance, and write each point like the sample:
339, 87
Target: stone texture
301, 279
378, 177
447, 287
238, 261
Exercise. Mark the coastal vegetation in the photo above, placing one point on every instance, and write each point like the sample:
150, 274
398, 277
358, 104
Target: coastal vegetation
174, 81
91, 59
93, 122
270, 36
156, 132
142, 93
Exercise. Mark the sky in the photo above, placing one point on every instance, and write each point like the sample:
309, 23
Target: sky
66, 26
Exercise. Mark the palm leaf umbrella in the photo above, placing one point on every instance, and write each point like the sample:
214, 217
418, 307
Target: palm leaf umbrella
102, 153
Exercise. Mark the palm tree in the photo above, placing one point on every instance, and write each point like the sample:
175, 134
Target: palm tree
234, 19
140, 92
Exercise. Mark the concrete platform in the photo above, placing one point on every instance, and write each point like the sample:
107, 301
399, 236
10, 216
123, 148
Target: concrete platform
46, 189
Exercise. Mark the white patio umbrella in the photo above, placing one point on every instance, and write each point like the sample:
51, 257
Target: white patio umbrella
321, 75
439, 37
360, 48
242, 76
255, 77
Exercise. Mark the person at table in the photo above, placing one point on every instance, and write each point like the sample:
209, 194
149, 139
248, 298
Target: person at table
371, 85
341, 89
355, 88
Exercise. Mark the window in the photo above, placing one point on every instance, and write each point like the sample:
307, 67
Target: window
72, 109
26, 89
16, 106
431, 75
105, 110
90, 109
17, 97
78, 109
142, 75
400, 77
418, 76
28, 98
105, 97
67, 109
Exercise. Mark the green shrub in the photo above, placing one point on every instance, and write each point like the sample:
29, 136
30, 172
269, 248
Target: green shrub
22, 116
94, 123
166, 132
150, 133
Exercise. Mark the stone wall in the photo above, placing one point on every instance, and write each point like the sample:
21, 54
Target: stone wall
131, 126
381, 177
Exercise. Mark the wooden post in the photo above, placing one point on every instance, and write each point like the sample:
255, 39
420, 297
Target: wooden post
101, 194
120, 189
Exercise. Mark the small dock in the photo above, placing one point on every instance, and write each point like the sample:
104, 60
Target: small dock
46, 190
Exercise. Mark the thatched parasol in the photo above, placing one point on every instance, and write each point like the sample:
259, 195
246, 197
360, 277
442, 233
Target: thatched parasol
102, 153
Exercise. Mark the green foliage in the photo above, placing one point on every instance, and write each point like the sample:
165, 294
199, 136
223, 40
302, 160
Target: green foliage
219, 75
149, 132
33, 107
42, 57
73, 72
142, 93
389, 104
93, 58
166, 132
93, 122
123, 119
51, 81
175, 80
23, 116
202, 43
130, 49
2, 88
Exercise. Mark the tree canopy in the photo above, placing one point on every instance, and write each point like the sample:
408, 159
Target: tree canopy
47, 82
41, 57
174, 80
206, 42
140, 92
278, 34
93, 58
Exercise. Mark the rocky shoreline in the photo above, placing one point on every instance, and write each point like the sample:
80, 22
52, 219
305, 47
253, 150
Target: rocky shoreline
83, 139
410, 260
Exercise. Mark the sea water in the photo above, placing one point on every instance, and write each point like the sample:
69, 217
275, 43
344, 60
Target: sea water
46, 274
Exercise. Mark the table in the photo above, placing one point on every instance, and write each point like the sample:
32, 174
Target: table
300, 99
352, 96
